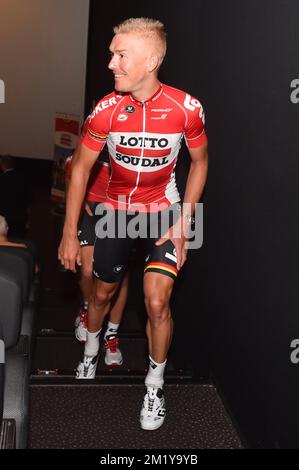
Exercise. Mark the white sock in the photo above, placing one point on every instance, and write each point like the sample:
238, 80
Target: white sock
155, 375
111, 329
92, 344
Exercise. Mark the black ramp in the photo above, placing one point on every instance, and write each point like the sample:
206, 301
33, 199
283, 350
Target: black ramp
107, 417
61, 318
63, 354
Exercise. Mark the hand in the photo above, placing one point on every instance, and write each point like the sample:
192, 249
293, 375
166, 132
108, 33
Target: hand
177, 236
69, 252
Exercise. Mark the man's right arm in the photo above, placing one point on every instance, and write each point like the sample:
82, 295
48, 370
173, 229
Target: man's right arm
69, 249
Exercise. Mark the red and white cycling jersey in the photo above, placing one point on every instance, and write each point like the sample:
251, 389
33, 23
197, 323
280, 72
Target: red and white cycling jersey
99, 176
144, 139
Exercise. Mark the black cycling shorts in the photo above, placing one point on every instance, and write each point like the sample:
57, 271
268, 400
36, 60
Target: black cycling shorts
86, 227
112, 252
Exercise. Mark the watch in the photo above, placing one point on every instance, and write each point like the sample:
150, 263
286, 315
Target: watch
189, 219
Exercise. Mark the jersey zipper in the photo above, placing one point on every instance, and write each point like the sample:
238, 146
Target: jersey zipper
141, 157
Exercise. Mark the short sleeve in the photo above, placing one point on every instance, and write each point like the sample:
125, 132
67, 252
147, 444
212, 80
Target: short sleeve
84, 130
98, 127
195, 131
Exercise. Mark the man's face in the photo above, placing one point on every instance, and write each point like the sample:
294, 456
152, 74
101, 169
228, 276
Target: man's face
130, 61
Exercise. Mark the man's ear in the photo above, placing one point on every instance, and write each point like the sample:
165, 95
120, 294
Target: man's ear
153, 63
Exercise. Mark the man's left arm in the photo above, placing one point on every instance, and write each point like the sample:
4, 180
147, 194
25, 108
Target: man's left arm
196, 181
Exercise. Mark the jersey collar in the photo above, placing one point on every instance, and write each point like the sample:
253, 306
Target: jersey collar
153, 98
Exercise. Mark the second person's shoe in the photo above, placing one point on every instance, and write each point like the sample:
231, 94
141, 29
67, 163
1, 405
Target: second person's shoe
113, 355
81, 326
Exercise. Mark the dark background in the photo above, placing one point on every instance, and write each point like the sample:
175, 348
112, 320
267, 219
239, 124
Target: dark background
236, 305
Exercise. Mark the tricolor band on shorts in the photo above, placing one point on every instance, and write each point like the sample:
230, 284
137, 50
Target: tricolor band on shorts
162, 259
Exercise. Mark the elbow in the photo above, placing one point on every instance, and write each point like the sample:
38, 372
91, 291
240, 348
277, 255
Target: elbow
79, 173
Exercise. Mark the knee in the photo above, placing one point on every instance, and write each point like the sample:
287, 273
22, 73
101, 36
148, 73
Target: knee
102, 297
157, 307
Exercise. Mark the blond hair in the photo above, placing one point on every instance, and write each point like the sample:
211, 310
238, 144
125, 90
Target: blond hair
147, 27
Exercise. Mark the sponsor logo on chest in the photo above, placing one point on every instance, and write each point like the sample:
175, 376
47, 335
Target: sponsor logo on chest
143, 152
149, 164
164, 113
122, 117
144, 142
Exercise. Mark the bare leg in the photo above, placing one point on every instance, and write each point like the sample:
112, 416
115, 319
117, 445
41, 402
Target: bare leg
99, 303
159, 329
86, 280
157, 290
118, 307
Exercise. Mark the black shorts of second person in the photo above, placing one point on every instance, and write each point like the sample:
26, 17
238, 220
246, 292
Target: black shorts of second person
87, 226
111, 255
